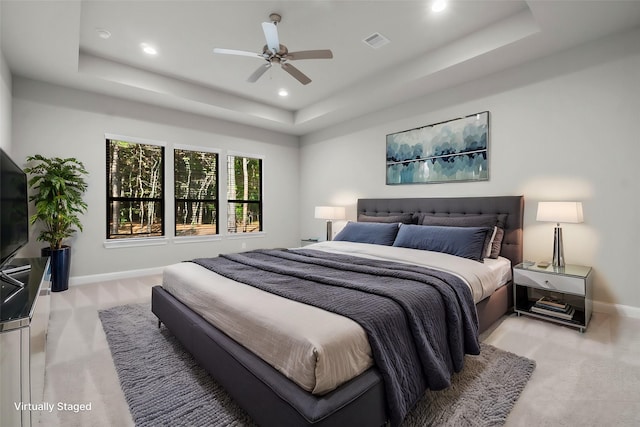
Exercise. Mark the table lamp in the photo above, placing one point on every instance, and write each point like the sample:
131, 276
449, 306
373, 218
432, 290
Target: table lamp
558, 212
329, 213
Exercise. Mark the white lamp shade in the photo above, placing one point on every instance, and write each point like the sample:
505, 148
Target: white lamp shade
560, 212
329, 212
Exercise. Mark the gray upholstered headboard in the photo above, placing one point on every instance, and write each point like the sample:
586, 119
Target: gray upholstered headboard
445, 206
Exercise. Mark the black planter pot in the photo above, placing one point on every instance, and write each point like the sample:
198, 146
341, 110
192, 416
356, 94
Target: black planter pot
60, 262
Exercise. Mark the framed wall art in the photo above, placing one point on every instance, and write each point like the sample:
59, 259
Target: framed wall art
453, 151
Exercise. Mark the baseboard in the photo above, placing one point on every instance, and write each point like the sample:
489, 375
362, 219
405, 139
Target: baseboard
617, 309
105, 277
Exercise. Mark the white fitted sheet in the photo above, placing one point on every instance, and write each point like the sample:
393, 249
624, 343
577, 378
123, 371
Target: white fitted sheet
316, 349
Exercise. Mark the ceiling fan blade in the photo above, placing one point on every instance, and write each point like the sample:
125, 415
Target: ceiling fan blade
310, 54
271, 35
297, 74
237, 52
259, 72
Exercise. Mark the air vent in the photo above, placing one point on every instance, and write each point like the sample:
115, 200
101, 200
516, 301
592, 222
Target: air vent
376, 40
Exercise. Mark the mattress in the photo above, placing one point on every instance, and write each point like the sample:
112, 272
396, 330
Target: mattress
316, 349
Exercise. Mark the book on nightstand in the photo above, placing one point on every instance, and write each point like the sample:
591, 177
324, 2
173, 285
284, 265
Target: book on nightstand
553, 308
566, 316
548, 302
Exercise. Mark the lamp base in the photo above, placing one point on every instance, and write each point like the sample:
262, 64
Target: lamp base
329, 230
558, 249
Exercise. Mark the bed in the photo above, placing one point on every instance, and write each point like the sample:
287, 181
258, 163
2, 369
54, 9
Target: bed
273, 398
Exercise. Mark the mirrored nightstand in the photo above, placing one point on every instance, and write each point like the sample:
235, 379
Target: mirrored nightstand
560, 287
305, 242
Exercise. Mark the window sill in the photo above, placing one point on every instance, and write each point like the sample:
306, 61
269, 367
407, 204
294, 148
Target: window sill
159, 241
254, 234
130, 243
179, 240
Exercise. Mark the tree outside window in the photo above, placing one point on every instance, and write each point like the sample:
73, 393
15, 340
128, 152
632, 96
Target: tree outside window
244, 194
135, 190
196, 192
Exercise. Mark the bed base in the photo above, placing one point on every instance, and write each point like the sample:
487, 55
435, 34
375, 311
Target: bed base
494, 307
269, 397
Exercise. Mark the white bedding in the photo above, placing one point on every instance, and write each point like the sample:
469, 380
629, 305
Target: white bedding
482, 278
316, 349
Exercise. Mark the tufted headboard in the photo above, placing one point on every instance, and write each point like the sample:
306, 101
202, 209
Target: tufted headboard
513, 206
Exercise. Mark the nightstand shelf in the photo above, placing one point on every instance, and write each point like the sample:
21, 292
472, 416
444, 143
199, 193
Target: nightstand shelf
571, 284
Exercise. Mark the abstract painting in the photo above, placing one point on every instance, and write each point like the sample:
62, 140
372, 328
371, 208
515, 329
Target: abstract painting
451, 151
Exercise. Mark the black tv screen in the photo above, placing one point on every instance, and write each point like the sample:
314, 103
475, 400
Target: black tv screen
14, 208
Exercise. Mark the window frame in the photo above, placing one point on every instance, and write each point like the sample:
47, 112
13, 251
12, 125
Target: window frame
136, 240
218, 153
261, 231
168, 192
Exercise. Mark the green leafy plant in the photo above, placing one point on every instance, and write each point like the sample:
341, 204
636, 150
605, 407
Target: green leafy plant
59, 185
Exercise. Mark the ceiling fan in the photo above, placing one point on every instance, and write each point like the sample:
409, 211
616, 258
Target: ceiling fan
273, 51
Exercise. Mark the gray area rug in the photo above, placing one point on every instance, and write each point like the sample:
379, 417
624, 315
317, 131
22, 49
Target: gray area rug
164, 386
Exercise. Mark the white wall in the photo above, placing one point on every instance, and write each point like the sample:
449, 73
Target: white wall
561, 128
56, 121
5, 101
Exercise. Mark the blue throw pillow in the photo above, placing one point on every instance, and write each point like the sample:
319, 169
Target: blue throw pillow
369, 232
465, 242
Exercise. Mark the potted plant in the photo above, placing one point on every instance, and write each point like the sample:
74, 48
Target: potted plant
58, 186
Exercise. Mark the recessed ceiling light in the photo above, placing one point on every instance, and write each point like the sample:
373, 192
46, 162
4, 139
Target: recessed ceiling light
439, 5
102, 33
148, 49
283, 92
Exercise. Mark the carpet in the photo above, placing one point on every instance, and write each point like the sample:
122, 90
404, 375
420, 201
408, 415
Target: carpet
164, 385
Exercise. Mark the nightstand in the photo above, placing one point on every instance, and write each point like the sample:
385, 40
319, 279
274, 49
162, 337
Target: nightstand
571, 284
305, 242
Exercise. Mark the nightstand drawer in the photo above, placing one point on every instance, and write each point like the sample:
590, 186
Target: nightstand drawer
550, 282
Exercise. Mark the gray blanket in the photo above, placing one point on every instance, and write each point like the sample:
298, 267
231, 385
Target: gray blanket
420, 322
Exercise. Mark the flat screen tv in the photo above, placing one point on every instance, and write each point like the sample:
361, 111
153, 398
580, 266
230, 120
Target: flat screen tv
14, 209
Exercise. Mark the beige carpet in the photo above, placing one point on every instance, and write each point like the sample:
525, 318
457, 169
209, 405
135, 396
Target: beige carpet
590, 379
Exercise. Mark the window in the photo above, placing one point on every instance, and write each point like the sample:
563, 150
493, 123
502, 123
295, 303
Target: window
135, 189
196, 192
244, 194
